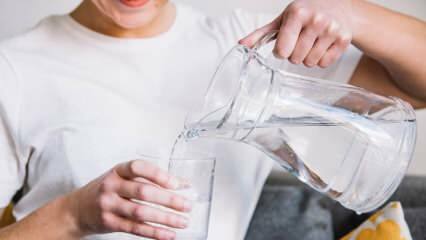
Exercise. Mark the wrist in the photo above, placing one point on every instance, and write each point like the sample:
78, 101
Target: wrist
69, 216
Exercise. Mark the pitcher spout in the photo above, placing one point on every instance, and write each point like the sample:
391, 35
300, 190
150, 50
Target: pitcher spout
235, 99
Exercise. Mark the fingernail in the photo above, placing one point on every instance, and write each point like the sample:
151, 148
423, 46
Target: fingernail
309, 65
183, 222
184, 183
187, 205
297, 62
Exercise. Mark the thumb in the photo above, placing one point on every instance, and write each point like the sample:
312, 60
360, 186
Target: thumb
251, 39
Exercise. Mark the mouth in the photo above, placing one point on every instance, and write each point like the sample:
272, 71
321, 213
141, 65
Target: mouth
134, 3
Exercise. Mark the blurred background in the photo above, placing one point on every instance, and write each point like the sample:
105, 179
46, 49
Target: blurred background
17, 16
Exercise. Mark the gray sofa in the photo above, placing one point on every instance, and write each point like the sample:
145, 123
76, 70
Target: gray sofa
289, 210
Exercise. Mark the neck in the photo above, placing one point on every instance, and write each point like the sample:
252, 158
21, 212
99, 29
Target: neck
88, 15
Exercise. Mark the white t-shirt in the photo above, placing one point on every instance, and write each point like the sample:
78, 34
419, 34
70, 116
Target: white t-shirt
74, 103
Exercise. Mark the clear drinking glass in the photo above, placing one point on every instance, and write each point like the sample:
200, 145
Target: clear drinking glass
199, 171
344, 141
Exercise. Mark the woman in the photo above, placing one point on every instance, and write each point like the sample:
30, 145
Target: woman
83, 94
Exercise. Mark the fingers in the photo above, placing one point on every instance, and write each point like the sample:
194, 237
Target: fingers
330, 56
308, 37
143, 213
320, 42
318, 51
149, 171
289, 33
255, 37
334, 52
305, 36
153, 194
310, 32
304, 45
117, 213
119, 224
149, 231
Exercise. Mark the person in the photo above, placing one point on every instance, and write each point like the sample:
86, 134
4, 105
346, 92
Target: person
86, 93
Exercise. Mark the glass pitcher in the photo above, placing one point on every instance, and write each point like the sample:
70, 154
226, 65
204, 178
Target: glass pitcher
351, 144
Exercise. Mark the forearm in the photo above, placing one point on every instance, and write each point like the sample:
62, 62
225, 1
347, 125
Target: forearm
53, 221
397, 41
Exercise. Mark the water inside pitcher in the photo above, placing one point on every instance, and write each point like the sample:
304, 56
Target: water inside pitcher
346, 142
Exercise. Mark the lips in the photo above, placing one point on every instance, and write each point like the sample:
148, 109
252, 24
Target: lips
134, 3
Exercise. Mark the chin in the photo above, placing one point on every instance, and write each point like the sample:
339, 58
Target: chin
129, 18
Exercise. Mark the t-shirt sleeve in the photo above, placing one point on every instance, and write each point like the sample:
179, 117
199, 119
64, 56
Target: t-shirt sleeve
12, 171
242, 23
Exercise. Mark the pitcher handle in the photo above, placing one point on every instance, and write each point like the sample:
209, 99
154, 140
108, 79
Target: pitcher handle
270, 59
269, 37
